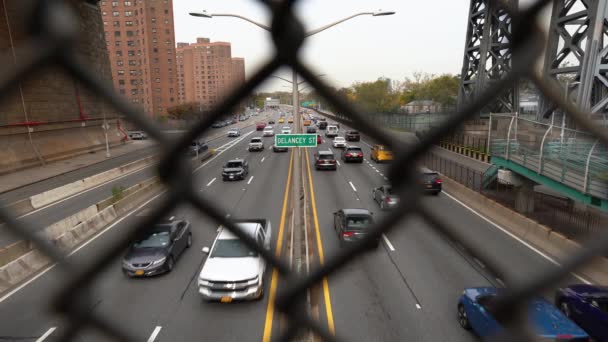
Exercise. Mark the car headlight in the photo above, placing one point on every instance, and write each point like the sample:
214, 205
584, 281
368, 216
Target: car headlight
125, 264
253, 281
203, 282
159, 261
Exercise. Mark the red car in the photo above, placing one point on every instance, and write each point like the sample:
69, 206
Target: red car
260, 126
319, 140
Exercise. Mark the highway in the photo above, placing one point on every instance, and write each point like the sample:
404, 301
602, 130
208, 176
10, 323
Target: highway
406, 289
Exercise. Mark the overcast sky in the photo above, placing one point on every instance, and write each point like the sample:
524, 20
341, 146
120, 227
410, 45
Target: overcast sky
425, 36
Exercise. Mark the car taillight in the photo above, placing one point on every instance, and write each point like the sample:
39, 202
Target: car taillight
437, 181
347, 234
332, 161
348, 155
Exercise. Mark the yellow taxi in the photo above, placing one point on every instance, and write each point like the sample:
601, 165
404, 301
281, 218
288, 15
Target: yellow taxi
281, 120
306, 122
290, 120
381, 153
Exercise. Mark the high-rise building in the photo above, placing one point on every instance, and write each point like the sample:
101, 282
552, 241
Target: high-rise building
141, 43
207, 72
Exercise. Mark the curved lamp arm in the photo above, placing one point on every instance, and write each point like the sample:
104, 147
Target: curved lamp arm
208, 15
323, 28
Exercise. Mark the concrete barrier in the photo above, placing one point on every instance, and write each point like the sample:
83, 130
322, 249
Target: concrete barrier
19, 261
538, 235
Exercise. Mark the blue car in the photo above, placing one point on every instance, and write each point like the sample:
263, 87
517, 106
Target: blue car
587, 305
547, 320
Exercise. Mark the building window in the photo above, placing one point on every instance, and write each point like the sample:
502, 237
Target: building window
131, 52
128, 3
154, 30
119, 63
116, 24
157, 90
130, 43
117, 43
130, 33
166, 21
132, 62
121, 82
166, 11
128, 23
116, 33
153, 20
121, 72
115, 14
168, 42
104, 13
133, 72
128, 13
155, 49
133, 91
167, 31
114, 3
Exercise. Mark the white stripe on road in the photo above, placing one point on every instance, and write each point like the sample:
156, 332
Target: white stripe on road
154, 334
385, 178
224, 150
352, 186
418, 306
337, 161
213, 180
261, 161
250, 179
388, 243
46, 334
377, 170
537, 251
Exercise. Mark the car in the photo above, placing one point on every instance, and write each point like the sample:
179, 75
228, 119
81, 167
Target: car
290, 120
311, 129
235, 169
232, 270
227, 122
431, 181
547, 322
325, 160
156, 250
137, 135
197, 147
271, 122
381, 153
319, 139
281, 120
339, 142
306, 122
322, 124
352, 136
268, 131
243, 118
331, 132
260, 126
276, 148
217, 124
233, 121
385, 197
234, 132
587, 306
352, 153
286, 130
353, 225
256, 144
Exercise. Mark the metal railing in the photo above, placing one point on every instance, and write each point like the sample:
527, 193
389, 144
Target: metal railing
53, 38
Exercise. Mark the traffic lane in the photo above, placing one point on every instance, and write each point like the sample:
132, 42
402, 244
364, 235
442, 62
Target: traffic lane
431, 268
368, 299
23, 301
263, 198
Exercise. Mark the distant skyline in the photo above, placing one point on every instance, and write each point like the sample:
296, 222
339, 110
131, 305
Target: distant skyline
417, 38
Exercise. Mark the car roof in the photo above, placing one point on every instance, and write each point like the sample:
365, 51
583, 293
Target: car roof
248, 227
425, 170
325, 152
236, 160
356, 212
353, 147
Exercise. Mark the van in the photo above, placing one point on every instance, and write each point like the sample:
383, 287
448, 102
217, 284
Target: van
332, 131
322, 124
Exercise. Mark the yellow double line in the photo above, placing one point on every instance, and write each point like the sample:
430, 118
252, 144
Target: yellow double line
275, 274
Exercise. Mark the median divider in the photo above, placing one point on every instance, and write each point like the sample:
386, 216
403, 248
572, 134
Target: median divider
21, 260
542, 237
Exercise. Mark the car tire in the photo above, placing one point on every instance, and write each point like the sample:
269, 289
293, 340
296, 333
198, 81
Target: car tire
463, 320
170, 263
436, 193
189, 241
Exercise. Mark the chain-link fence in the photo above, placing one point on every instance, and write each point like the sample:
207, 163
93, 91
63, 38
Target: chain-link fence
54, 30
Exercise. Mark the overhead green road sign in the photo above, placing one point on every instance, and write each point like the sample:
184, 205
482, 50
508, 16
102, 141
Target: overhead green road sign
295, 140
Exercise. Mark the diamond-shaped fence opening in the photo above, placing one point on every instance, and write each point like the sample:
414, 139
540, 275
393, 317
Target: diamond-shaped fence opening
54, 31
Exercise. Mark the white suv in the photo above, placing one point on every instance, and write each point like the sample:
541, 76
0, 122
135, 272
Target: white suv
232, 271
268, 131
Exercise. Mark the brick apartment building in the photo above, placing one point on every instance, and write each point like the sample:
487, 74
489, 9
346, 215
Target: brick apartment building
207, 72
141, 42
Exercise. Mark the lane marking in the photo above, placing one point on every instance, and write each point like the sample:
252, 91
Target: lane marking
337, 161
352, 186
418, 306
275, 273
388, 243
213, 180
154, 334
46, 334
385, 178
250, 179
261, 161
326, 294
504, 230
378, 171
221, 152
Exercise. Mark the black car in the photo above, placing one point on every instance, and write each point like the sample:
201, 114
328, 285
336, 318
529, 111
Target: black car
236, 169
322, 124
156, 251
352, 136
276, 148
352, 154
431, 181
325, 160
271, 122
311, 129
353, 225
197, 147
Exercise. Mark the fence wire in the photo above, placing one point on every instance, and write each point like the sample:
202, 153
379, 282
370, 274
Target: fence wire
52, 42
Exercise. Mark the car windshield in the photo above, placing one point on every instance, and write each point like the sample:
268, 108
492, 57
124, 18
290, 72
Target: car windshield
353, 149
429, 177
326, 156
256, 140
339, 139
358, 222
154, 240
231, 248
353, 132
234, 164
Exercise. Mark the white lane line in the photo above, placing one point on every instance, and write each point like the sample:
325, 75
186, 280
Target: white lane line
385, 178
250, 179
8, 295
213, 180
221, 152
46, 334
337, 161
154, 334
418, 306
352, 186
261, 161
388, 243
378, 171
536, 250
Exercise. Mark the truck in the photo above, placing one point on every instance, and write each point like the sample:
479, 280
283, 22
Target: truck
232, 270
